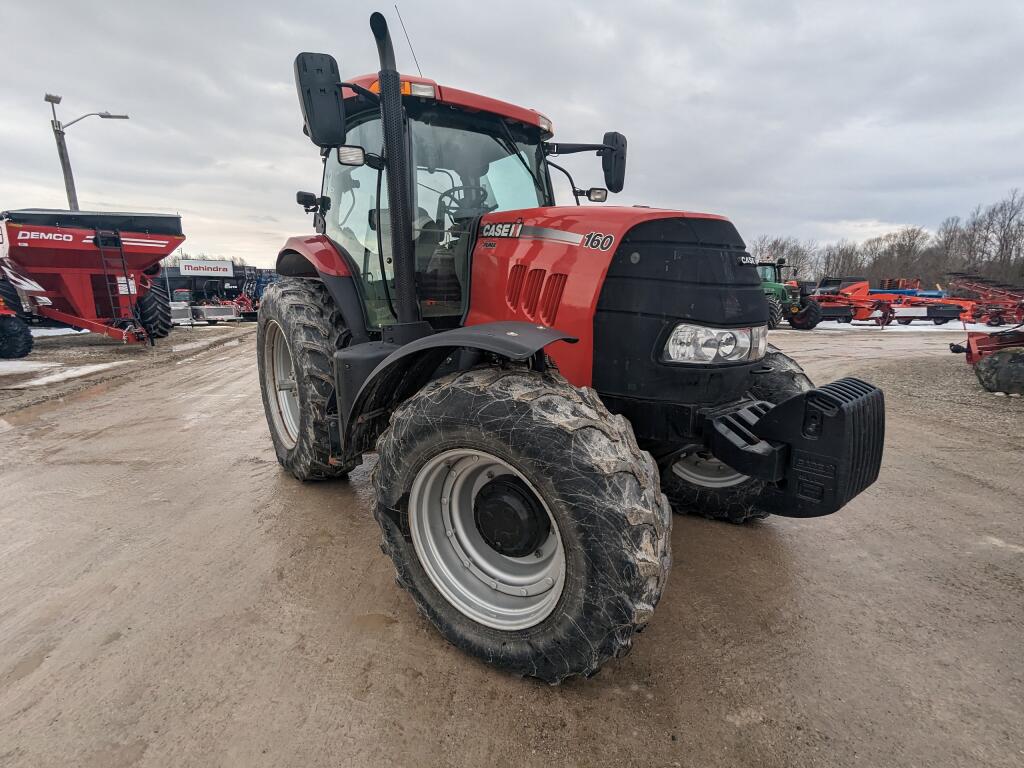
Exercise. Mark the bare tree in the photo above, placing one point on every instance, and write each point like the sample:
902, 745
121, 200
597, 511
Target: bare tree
989, 241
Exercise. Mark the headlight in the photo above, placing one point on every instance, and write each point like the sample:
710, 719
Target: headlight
700, 344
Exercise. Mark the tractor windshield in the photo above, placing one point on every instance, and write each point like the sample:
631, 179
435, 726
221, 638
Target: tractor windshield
768, 273
467, 164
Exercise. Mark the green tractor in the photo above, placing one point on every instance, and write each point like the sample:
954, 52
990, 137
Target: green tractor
788, 300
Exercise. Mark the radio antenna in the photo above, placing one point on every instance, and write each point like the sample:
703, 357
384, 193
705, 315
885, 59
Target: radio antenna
402, 22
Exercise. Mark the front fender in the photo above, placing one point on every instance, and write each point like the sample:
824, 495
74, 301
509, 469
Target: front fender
313, 256
408, 368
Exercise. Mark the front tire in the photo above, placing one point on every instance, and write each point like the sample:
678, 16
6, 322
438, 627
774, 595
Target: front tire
299, 330
15, 338
698, 483
808, 317
600, 526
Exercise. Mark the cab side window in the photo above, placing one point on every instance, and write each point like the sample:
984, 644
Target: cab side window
351, 221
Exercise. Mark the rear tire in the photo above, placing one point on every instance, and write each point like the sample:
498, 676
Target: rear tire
15, 338
155, 311
904, 320
808, 317
701, 485
774, 312
940, 320
580, 464
299, 330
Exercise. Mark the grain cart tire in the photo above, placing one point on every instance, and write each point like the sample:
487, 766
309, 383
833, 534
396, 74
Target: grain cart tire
155, 311
523, 520
699, 484
774, 312
15, 337
808, 317
10, 297
298, 331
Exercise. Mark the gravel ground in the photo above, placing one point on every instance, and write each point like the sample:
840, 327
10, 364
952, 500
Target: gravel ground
169, 598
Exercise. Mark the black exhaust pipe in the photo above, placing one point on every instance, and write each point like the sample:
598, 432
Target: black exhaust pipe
392, 116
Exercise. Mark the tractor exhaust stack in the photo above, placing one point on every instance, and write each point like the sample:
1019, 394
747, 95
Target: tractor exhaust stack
397, 161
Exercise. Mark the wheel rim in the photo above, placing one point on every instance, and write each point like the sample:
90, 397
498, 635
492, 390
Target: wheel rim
700, 468
493, 589
281, 383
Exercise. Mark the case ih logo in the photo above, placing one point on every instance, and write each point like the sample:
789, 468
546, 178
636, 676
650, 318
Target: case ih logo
508, 229
27, 235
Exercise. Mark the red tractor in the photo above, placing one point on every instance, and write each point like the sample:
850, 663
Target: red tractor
535, 379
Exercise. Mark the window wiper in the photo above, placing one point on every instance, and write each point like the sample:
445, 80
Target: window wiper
509, 143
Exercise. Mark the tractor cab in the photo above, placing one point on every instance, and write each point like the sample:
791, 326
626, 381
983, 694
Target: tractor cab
465, 165
470, 156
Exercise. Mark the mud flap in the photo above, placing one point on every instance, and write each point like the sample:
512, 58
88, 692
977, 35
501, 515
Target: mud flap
816, 450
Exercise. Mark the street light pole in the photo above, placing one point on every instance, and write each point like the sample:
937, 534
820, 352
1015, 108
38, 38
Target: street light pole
62, 147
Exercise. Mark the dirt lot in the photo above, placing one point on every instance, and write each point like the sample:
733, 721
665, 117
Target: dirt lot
61, 365
168, 597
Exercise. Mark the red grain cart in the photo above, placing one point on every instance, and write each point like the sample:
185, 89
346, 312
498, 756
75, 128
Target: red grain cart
92, 271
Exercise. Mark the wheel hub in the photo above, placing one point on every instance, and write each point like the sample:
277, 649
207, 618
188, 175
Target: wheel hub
468, 531
510, 518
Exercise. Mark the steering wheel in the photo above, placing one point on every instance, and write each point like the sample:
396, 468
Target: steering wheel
463, 201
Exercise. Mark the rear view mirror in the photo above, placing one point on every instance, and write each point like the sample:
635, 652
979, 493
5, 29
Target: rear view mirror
613, 161
323, 110
351, 155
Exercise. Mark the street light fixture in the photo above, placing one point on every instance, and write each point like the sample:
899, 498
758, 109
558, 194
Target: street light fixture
62, 147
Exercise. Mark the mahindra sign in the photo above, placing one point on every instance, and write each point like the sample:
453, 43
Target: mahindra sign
206, 268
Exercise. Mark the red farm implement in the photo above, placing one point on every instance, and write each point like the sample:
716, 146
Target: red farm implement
854, 300
92, 271
998, 359
987, 301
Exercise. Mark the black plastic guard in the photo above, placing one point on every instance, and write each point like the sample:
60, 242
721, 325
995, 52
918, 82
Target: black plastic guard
405, 370
817, 449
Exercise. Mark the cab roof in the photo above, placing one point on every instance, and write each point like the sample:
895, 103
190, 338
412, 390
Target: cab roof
444, 94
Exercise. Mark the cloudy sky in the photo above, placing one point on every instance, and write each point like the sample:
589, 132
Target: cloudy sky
821, 120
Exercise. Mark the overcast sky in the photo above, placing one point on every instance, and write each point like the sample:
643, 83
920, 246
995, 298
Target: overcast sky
821, 120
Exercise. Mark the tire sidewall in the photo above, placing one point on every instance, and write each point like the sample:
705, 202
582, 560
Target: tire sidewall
286, 455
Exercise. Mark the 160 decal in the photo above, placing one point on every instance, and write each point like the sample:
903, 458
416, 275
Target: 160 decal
599, 241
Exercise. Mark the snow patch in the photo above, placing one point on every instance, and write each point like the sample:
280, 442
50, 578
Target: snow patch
71, 372
20, 367
924, 326
37, 332
998, 543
